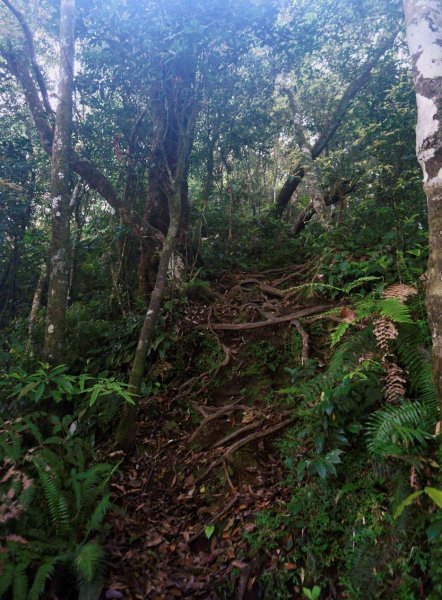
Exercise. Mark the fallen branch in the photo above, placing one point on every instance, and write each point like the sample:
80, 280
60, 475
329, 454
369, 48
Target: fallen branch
242, 326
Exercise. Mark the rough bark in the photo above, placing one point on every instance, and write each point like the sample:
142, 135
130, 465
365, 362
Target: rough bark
55, 327
337, 196
424, 35
295, 178
316, 196
36, 301
75, 207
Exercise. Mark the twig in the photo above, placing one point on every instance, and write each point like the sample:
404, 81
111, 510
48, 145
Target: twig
226, 473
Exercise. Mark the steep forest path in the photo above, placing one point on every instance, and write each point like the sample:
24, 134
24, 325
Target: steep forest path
207, 462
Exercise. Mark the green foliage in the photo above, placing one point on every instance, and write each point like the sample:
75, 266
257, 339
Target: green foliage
54, 497
403, 429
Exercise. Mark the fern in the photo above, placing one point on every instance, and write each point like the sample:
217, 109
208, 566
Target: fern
58, 508
89, 560
395, 310
6, 577
411, 351
339, 333
392, 429
358, 282
98, 515
44, 574
90, 564
20, 585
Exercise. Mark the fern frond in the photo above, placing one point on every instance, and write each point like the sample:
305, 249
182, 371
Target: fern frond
393, 427
57, 504
339, 333
44, 573
98, 515
358, 282
6, 577
93, 482
21, 584
395, 310
89, 563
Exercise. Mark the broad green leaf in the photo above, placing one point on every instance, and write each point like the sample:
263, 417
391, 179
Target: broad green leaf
408, 500
435, 495
28, 388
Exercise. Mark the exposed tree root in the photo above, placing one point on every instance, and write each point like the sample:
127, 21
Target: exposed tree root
243, 442
224, 410
284, 319
305, 340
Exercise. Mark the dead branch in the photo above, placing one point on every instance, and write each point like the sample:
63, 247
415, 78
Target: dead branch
226, 473
242, 326
305, 340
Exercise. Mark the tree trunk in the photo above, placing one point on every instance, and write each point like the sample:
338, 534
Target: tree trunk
127, 428
75, 206
424, 36
60, 192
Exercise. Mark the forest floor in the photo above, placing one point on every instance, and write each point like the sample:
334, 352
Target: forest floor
206, 465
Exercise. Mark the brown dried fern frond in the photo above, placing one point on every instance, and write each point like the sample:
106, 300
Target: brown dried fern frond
14, 482
395, 383
400, 292
384, 331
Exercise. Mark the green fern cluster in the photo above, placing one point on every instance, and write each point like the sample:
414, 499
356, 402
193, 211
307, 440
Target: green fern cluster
60, 522
408, 427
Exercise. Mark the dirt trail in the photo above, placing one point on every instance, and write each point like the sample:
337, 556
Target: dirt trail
206, 463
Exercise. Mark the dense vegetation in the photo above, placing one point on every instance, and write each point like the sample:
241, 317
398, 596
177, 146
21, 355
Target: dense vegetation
215, 354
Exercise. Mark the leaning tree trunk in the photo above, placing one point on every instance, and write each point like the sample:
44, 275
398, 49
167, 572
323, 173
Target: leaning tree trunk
54, 339
127, 428
424, 35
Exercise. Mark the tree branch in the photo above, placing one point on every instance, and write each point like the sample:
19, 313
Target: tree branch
349, 95
31, 51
